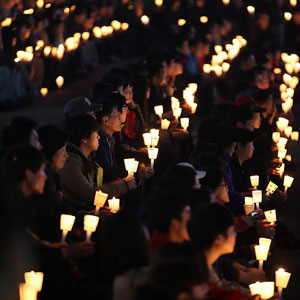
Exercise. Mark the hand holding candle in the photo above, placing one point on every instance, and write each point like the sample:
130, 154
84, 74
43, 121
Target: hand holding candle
66, 224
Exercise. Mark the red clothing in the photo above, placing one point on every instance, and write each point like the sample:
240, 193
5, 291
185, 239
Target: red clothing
158, 238
130, 121
216, 293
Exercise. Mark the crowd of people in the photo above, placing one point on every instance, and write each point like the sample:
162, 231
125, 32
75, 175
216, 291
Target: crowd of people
182, 229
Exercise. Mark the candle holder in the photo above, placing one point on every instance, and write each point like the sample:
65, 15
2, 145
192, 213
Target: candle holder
267, 290
114, 205
66, 225
34, 280
159, 110
261, 253
99, 201
271, 188
27, 292
254, 181
287, 182
271, 216
265, 242
90, 224
281, 154
185, 123
257, 197
165, 123
131, 165
152, 154
282, 279
295, 136
177, 112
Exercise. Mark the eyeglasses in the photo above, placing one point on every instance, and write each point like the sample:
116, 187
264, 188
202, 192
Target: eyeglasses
223, 185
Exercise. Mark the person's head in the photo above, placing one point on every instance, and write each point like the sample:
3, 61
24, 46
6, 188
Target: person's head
123, 243
181, 270
109, 118
225, 137
157, 73
215, 181
264, 99
120, 102
182, 46
200, 47
79, 15
240, 119
211, 230
250, 107
170, 212
141, 89
244, 149
20, 130
263, 21
82, 131
182, 175
81, 105
259, 77
24, 167
54, 141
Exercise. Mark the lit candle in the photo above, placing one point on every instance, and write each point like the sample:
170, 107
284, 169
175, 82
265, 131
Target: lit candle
282, 279
254, 181
193, 87
124, 26
131, 165
287, 182
158, 2
114, 204
34, 279
66, 224
194, 108
181, 22
289, 68
265, 242
116, 25
203, 19
282, 143
282, 123
295, 136
280, 169
261, 253
271, 216
293, 2
147, 139
297, 67
254, 288
257, 197
206, 68
44, 92
277, 71
288, 131
218, 70
226, 2
29, 11
276, 137
290, 92
27, 292
145, 20
90, 224
267, 290
288, 157
218, 48
185, 123
97, 32
282, 88
152, 154
165, 123
60, 81
281, 154
6, 22
85, 36
99, 200
159, 110
39, 3
177, 112
225, 67
251, 9
175, 103
271, 188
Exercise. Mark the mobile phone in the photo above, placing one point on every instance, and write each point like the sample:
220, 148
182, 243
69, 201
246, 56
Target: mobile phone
254, 213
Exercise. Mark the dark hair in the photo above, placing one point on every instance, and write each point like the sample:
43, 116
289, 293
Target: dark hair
107, 109
123, 243
139, 87
179, 268
213, 178
261, 96
245, 136
167, 204
207, 223
238, 115
52, 138
118, 99
19, 159
18, 131
178, 177
80, 127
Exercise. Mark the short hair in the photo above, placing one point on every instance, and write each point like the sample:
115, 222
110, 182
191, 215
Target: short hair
245, 136
167, 204
261, 96
213, 178
80, 127
18, 131
207, 223
107, 109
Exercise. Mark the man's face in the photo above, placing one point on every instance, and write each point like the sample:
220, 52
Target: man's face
113, 121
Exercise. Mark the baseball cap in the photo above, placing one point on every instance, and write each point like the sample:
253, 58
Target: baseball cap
251, 107
199, 173
81, 105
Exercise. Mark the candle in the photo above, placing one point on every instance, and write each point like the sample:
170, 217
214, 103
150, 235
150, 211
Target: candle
261, 253
218, 48
282, 143
280, 170
6, 22
177, 112
248, 208
271, 216
145, 20
293, 2
271, 188
297, 67
165, 123
266, 290
281, 154
225, 67
114, 204
152, 154
44, 92
226, 2
295, 136
203, 19
154, 132
39, 3
27, 292
116, 25
218, 70
251, 9
193, 87
282, 123
85, 36
131, 165
124, 26
289, 68
158, 2
286, 78
276, 137
288, 131
184, 123
147, 139
194, 108
207, 68
60, 81
287, 182
175, 103
254, 288
282, 88
97, 32
34, 279
290, 92
67, 10
277, 71
181, 22
90, 224
282, 279
254, 181
249, 200
29, 11
257, 197
99, 200
66, 224
265, 242
159, 110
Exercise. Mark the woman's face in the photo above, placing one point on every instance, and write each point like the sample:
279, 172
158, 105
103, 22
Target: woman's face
59, 158
36, 181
